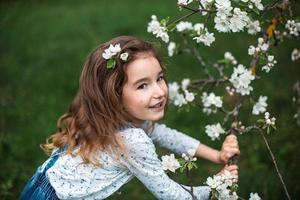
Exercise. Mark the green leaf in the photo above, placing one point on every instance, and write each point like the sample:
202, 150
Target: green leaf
261, 121
256, 11
193, 34
265, 126
268, 130
181, 161
164, 21
172, 27
190, 166
195, 165
223, 61
111, 63
182, 168
274, 127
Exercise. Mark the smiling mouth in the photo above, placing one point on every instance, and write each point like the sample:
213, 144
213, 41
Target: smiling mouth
158, 105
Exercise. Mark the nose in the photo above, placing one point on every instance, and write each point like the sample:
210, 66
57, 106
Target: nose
159, 91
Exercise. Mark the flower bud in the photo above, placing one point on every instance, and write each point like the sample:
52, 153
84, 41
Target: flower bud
273, 119
267, 114
273, 123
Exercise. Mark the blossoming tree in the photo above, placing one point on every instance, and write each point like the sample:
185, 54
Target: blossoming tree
272, 24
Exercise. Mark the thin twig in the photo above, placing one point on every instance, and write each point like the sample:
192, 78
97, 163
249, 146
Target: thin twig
182, 18
274, 161
191, 184
199, 10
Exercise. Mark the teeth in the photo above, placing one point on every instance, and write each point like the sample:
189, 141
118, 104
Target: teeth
157, 105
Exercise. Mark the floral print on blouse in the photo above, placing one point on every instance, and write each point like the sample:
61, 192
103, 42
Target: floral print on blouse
73, 180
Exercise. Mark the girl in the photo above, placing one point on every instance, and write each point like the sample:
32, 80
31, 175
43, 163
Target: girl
106, 138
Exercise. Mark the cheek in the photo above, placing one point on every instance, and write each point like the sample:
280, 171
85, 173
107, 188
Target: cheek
166, 89
141, 101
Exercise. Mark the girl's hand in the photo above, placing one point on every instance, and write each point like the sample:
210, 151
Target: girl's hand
233, 169
229, 148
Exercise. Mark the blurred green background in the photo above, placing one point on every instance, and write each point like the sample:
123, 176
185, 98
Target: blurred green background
43, 47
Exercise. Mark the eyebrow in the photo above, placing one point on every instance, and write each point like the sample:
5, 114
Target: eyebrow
145, 79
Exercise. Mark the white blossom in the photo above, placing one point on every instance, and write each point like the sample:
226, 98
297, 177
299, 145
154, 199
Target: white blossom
153, 25
267, 115
258, 4
262, 45
198, 28
239, 20
253, 27
211, 102
222, 23
241, 79
163, 35
170, 163
269, 121
185, 83
254, 196
293, 27
173, 90
171, 49
260, 106
206, 4
213, 182
184, 2
111, 51
271, 62
214, 131
223, 4
184, 26
189, 96
124, 56
228, 56
191, 152
179, 100
221, 184
156, 29
230, 90
206, 38
251, 50
190, 155
295, 55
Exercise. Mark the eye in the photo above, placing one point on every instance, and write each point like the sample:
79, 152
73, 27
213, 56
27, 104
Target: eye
161, 78
142, 86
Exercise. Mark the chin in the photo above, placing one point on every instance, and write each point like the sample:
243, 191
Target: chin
158, 117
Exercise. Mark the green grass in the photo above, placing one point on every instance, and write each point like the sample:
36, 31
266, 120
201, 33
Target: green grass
43, 47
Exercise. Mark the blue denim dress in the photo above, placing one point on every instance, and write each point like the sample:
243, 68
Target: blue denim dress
39, 187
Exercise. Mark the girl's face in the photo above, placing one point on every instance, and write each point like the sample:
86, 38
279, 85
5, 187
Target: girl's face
145, 94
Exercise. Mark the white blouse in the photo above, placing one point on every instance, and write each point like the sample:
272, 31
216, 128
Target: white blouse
73, 180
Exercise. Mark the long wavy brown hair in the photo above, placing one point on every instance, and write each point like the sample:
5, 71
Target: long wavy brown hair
96, 113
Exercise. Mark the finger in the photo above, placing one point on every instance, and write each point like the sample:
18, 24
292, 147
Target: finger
229, 155
232, 167
229, 152
234, 172
234, 151
231, 141
231, 136
231, 145
236, 180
